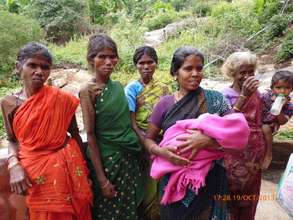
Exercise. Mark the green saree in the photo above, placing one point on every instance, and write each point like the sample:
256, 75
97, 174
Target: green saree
119, 150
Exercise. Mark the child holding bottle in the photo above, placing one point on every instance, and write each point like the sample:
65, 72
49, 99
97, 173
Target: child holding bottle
277, 108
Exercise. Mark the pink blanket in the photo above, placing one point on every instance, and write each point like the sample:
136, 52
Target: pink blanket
230, 131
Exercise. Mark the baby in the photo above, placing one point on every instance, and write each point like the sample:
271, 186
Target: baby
281, 84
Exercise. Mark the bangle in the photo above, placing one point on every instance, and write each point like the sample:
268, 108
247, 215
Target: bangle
236, 109
243, 96
105, 185
11, 156
12, 164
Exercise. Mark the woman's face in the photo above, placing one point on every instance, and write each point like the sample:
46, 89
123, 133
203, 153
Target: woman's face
190, 73
244, 72
146, 67
104, 63
34, 72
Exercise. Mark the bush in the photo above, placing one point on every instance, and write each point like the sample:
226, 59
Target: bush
61, 19
276, 26
160, 20
73, 52
15, 31
266, 9
202, 8
237, 16
285, 52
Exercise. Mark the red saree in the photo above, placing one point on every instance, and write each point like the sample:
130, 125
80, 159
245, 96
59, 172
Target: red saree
52, 161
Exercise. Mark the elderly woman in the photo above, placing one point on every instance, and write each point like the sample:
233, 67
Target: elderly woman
244, 169
189, 102
45, 162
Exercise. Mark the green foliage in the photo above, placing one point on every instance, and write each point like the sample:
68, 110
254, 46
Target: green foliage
61, 19
285, 135
128, 36
97, 12
237, 16
285, 52
266, 9
15, 31
161, 15
201, 8
160, 20
13, 6
180, 4
2, 129
276, 26
73, 52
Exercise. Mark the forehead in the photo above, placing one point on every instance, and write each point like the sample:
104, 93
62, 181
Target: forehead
145, 57
282, 83
106, 51
39, 59
192, 59
246, 67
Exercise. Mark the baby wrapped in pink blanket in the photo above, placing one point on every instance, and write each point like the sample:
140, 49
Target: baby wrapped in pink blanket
230, 131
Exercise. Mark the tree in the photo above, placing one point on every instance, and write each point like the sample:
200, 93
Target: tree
61, 19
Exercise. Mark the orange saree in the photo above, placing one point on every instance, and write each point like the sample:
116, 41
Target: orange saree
53, 161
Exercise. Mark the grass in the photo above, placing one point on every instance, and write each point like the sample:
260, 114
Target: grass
285, 135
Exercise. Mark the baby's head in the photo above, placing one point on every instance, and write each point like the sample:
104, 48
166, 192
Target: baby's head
282, 82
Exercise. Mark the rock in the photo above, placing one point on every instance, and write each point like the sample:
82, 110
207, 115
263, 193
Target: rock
156, 37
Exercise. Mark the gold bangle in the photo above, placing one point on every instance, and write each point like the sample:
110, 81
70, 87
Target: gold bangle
236, 109
105, 185
13, 164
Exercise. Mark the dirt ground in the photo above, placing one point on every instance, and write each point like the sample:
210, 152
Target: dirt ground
269, 209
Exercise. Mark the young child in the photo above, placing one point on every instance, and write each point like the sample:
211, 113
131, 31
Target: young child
282, 83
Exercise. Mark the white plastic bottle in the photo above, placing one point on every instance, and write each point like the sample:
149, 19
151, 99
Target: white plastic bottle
278, 104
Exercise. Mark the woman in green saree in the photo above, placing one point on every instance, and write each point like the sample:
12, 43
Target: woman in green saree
113, 146
142, 95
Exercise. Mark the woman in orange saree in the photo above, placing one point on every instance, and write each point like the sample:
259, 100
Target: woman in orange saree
45, 162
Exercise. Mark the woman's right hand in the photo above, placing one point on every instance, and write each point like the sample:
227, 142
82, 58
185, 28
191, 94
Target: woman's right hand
108, 190
170, 153
249, 86
19, 181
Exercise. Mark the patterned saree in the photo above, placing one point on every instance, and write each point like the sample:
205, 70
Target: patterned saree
52, 160
119, 151
147, 99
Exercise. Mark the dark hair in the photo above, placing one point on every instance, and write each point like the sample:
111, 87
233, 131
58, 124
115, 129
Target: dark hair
179, 56
99, 42
32, 50
145, 50
282, 75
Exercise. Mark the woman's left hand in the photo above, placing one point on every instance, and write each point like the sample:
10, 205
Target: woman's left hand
194, 142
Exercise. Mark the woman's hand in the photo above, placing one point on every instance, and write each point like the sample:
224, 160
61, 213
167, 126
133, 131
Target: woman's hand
194, 142
249, 86
19, 181
108, 190
170, 153
95, 90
